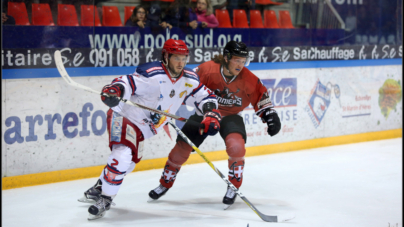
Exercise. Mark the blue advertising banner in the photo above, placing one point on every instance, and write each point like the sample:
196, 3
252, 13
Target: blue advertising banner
21, 58
30, 37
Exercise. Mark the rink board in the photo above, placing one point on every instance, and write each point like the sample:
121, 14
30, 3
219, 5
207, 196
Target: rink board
52, 132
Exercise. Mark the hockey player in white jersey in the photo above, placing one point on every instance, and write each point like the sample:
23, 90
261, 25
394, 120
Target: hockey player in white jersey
164, 85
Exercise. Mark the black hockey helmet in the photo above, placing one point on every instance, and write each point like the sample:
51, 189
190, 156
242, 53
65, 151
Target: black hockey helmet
234, 48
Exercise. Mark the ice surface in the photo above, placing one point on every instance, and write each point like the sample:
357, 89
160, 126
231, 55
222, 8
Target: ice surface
355, 185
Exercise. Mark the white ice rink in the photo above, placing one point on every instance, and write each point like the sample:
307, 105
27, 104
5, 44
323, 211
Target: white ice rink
356, 185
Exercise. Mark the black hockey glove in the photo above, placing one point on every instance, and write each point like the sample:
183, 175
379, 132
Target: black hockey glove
270, 117
115, 92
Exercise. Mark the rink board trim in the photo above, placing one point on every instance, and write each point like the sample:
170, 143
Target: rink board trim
106, 71
89, 172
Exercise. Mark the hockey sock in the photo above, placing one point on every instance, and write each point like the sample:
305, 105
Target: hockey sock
118, 163
178, 156
169, 174
131, 168
235, 148
236, 169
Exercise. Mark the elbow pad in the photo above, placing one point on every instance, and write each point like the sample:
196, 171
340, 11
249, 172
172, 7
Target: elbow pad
209, 106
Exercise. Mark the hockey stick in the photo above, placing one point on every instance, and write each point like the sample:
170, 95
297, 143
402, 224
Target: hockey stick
66, 77
268, 218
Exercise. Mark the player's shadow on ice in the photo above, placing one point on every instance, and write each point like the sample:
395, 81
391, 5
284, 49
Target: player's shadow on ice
216, 204
218, 201
186, 209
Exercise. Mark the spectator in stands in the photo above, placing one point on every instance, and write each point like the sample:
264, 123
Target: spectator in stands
219, 4
180, 14
154, 16
141, 18
205, 16
138, 18
6, 19
240, 4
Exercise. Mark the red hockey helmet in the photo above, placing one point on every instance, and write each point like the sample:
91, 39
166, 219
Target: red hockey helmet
173, 46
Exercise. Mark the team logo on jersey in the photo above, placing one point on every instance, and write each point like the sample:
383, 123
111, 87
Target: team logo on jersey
159, 119
188, 85
182, 93
236, 171
227, 98
155, 117
151, 126
172, 93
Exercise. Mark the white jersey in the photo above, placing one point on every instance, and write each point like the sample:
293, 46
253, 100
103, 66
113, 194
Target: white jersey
152, 86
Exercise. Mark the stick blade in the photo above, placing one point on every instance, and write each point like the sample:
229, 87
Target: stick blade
276, 218
285, 217
264, 217
61, 67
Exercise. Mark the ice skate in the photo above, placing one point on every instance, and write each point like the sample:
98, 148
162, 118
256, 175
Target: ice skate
156, 193
101, 206
92, 194
229, 198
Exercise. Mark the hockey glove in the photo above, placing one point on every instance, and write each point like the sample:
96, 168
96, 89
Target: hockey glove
115, 92
211, 120
271, 118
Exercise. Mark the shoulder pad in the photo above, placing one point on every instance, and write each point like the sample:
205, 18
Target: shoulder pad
150, 69
189, 73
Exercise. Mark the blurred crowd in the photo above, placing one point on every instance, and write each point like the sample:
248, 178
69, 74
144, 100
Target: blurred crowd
365, 23
179, 13
184, 13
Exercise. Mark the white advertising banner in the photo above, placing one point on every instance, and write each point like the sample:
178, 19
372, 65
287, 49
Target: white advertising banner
48, 125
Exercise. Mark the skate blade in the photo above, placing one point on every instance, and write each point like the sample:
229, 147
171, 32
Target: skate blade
226, 206
85, 200
94, 217
150, 200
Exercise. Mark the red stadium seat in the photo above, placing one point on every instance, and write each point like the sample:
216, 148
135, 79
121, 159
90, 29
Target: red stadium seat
128, 12
67, 15
267, 2
223, 18
256, 19
270, 20
41, 14
87, 16
284, 19
240, 19
110, 16
18, 10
